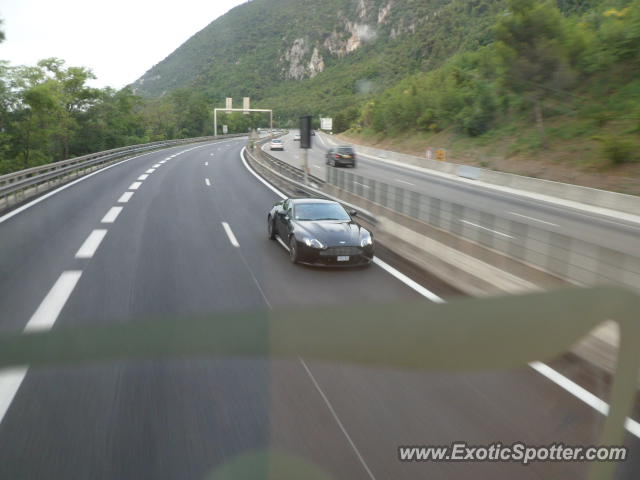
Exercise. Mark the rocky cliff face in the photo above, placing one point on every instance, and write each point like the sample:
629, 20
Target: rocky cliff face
261, 44
305, 57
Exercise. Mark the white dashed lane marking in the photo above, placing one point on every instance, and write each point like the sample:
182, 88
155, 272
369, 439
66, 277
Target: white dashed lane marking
112, 214
126, 196
232, 237
91, 244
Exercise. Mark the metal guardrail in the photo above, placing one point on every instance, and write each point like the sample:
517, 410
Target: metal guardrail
294, 177
548, 249
285, 168
17, 186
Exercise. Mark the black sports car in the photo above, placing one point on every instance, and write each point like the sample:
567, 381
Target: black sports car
320, 232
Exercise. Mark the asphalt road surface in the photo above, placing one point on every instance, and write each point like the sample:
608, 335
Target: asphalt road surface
614, 233
189, 239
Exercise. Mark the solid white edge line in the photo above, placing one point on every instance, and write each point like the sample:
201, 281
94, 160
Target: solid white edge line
260, 179
42, 319
125, 197
556, 377
24, 207
485, 228
91, 244
41, 198
337, 419
232, 237
581, 393
408, 281
112, 214
534, 219
405, 182
49, 309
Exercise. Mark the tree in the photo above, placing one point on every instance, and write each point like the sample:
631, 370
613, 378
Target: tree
73, 96
530, 43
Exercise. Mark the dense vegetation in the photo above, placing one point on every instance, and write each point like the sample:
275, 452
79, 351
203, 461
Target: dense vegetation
584, 65
478, 68
250, 42
49, 113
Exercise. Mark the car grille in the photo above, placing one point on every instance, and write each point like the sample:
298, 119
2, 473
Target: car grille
341, 251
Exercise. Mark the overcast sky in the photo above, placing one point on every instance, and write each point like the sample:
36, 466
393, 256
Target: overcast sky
118, 39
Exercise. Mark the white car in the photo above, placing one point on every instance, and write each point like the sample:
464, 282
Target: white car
296, 137
276, 144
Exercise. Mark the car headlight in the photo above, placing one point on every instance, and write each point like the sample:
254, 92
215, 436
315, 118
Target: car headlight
313, 243
366, 240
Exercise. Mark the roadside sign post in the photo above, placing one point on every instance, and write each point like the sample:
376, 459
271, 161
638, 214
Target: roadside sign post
326, 124
305, 144
230, 110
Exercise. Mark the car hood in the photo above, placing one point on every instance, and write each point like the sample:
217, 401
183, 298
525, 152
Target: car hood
332, 233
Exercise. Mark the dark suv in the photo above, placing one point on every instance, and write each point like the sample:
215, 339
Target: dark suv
341, 157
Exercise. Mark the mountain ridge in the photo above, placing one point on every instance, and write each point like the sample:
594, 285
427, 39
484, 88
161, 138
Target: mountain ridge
280, 46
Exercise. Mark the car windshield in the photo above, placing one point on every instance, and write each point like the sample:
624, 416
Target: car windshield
320, 211
346, 150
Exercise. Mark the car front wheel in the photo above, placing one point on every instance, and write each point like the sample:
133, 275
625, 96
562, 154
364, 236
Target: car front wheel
271, 229
293, 250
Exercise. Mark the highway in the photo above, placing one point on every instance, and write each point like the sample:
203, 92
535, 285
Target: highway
181, 232
618, 234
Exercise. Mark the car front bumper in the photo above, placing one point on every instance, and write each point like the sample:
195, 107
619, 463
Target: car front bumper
329, 257
344, 162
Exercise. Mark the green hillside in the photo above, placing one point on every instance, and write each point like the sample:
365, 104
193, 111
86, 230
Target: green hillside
264, 49
499, 83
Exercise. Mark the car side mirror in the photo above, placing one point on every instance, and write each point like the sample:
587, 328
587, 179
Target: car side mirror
353, 213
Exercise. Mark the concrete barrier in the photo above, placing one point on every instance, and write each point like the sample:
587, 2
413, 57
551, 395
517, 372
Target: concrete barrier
565, 191
475, 263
